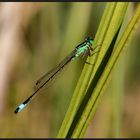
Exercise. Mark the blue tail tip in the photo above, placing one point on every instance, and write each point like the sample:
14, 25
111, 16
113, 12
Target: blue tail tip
19, 108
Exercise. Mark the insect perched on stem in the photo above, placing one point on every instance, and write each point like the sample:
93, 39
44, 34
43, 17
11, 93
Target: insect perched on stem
82, 50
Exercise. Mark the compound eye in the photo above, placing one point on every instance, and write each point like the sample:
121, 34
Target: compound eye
87, 39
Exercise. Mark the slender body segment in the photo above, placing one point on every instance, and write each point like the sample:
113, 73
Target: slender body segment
82, 50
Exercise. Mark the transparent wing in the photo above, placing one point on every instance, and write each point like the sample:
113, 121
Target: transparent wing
50, 75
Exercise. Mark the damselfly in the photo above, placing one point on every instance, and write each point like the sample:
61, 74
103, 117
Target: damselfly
82, 50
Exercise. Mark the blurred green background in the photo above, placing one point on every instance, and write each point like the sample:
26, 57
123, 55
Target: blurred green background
35, 37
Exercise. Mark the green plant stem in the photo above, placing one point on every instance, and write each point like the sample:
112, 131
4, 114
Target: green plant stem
86, 74
98, 92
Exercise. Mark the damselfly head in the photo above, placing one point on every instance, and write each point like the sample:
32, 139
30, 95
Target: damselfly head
89, 39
